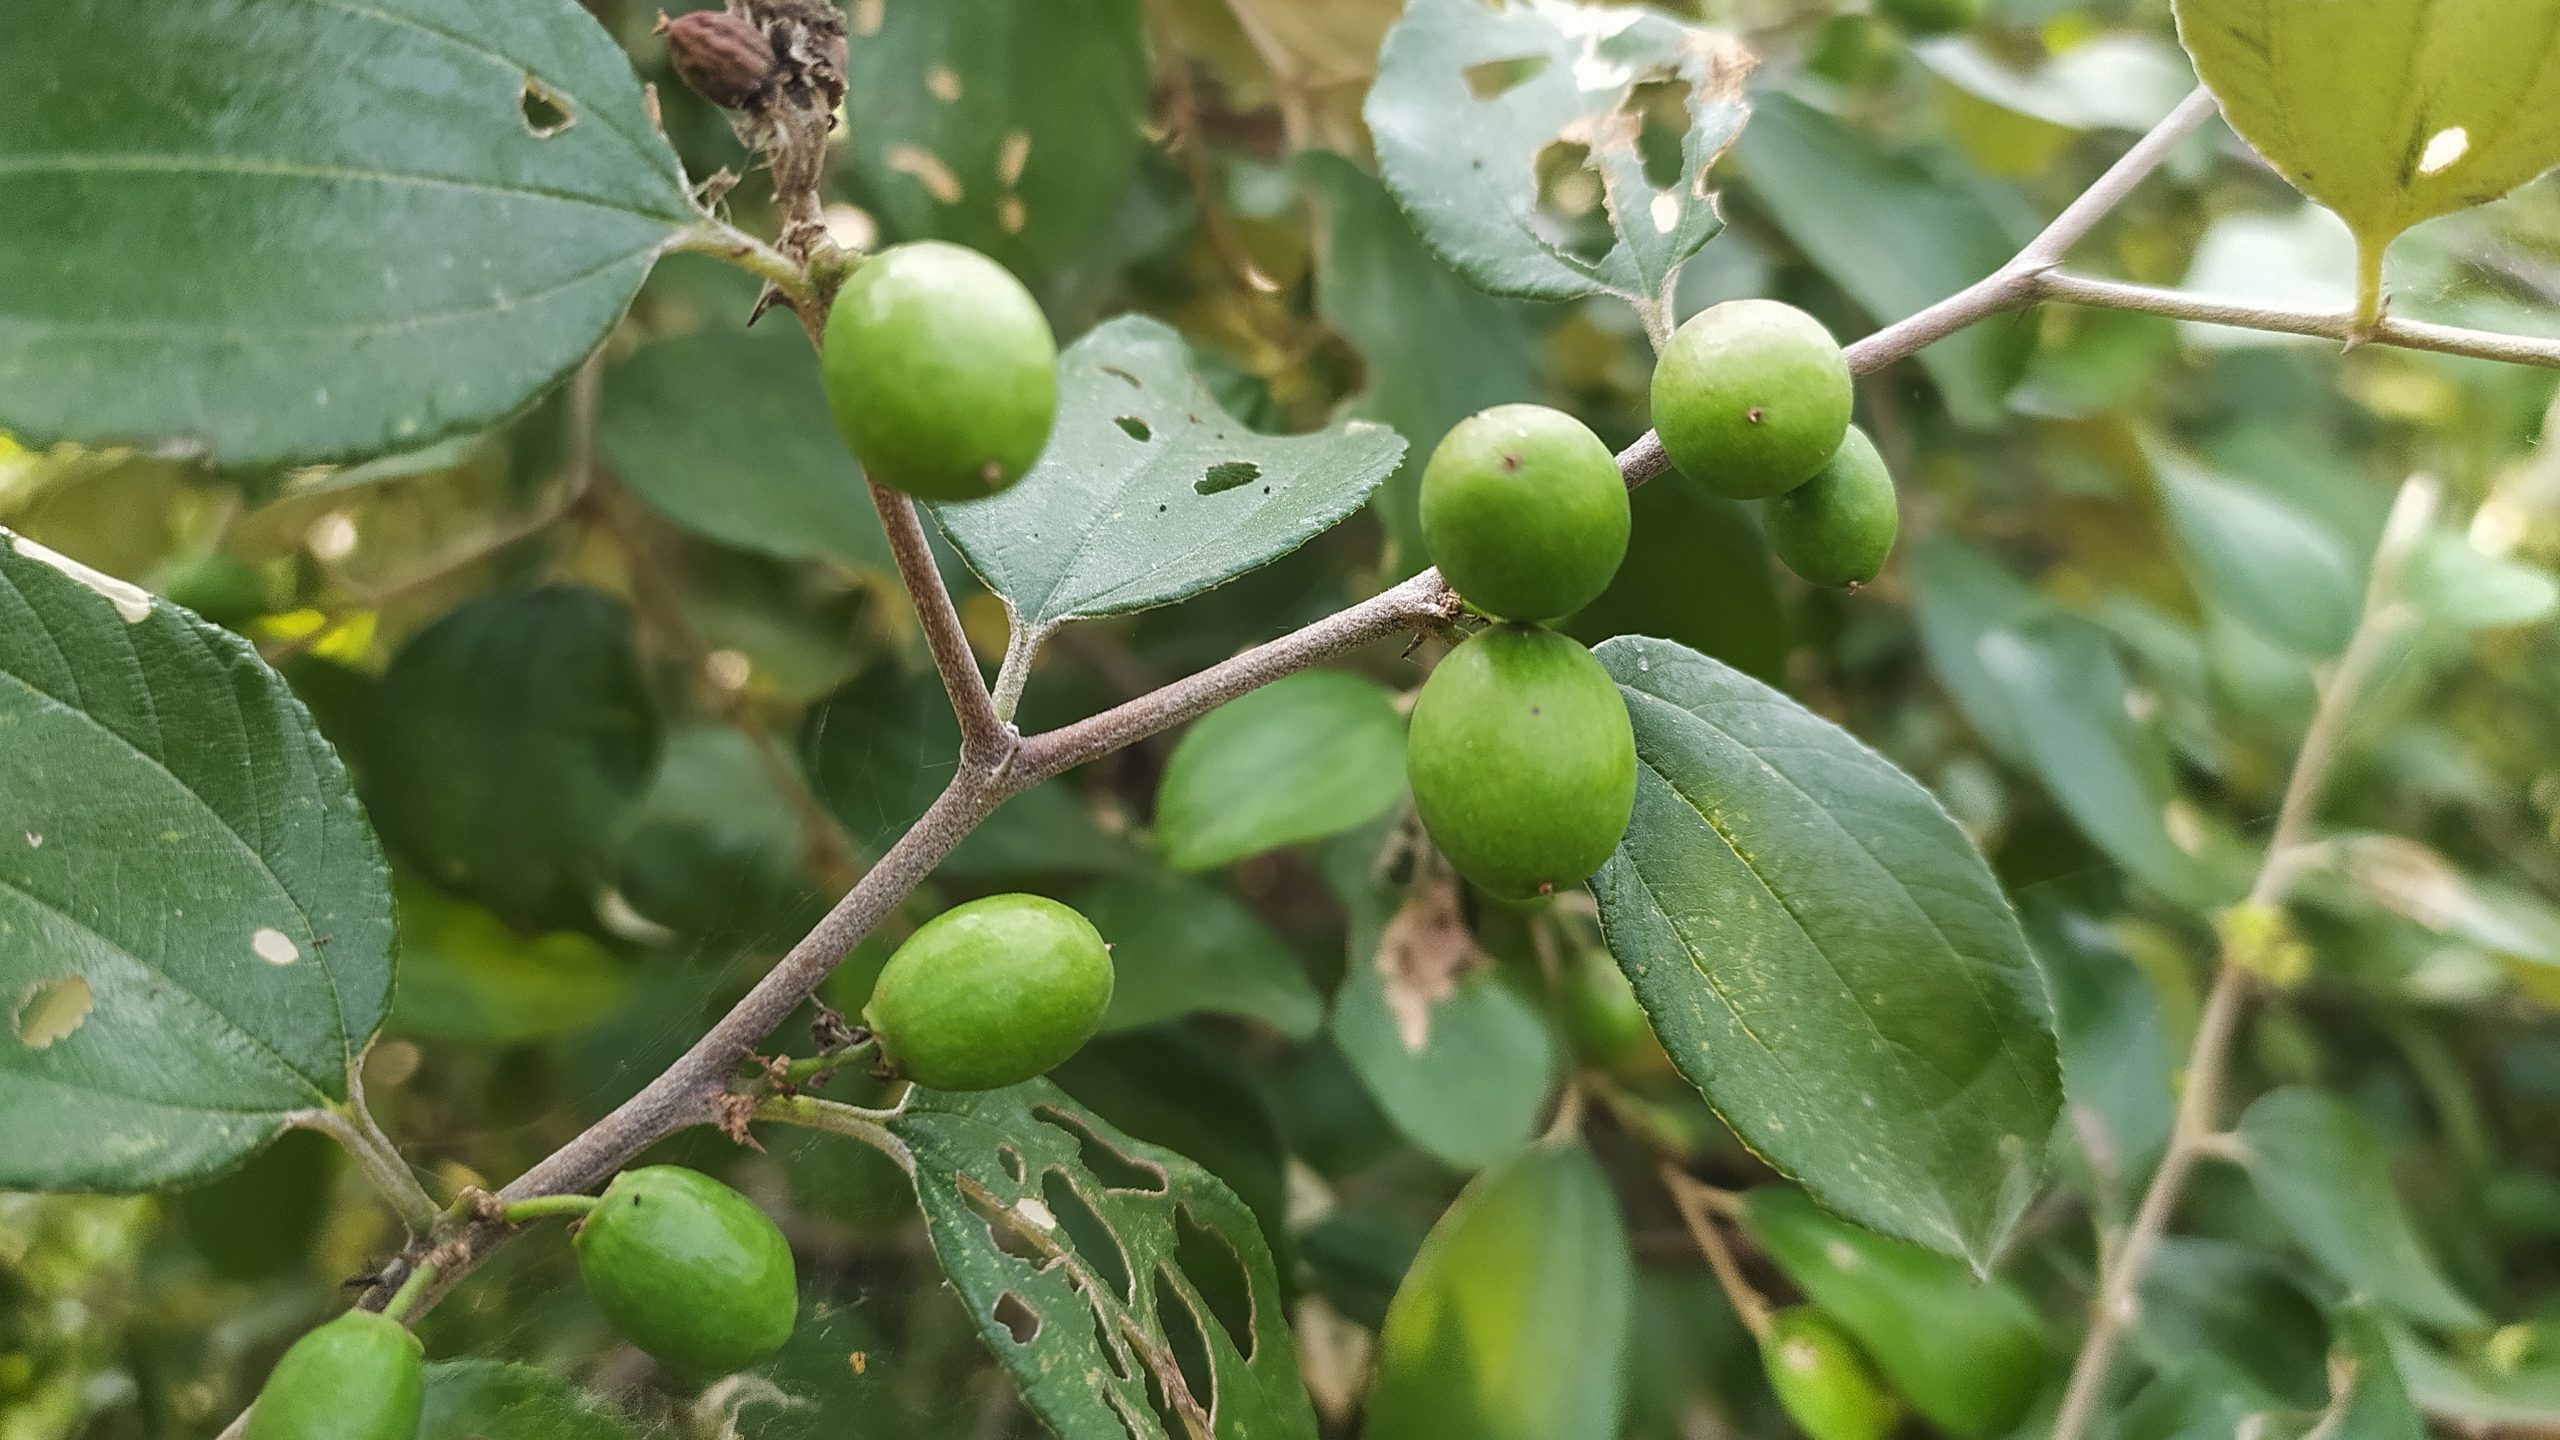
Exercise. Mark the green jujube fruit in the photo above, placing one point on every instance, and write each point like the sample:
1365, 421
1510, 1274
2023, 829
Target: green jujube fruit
991, 993
1607, 1022
1837, 528
1525, 513
361, 1376
941, 370
1522, 761
1822, 1379
1751, 397
1924, 18
688, 1270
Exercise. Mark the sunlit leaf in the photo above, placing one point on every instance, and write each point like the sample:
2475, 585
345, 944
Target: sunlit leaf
2390, 112
1314, 755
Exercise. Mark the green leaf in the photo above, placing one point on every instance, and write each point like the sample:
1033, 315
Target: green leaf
509, 745
1512, 1323
2458, 584
2474, 1391
2046, 691
2119, 81
494, 1400
1181, 947
1311, 756
727, 433
1100, 1269
1150, 492
1969, 1355
2116, 1061
1823, 953
1434, 348
2275, 568
2372, 1402
467, 975
1893, 235
2235, 1303
1010, 126
1468, 99
1463, 1074
715, 851
2389, 112
2324, 1174
195, 920
288, 230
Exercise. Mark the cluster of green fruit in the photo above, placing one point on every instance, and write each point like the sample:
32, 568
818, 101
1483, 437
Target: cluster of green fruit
1522, 761
1752, 399
684, 1267
984, 995
941, 370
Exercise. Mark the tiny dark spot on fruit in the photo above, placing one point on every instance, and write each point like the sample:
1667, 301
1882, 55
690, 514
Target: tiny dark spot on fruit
1534, 710
1510, 462
1753, 414
992, 475
1546, 887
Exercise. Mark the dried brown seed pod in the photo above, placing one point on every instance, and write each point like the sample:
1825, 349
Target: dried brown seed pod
724, 57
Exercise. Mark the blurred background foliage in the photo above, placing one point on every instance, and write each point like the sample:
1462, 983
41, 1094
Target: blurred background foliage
632, 695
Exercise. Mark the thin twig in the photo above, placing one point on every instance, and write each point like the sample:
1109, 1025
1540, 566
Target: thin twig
2317, 324
2196, 1131
983, 732
1690, 1197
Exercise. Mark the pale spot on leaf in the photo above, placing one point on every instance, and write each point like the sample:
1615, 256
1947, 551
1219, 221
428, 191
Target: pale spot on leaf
1011, 215
35, 841
2444, 150
132, 603
868, 16
1036, 1213
50, 1010
944, 84
275, 947
1013, 157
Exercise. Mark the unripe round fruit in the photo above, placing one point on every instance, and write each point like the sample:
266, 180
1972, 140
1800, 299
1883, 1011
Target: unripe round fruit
1525, 513
362, 1376
1750, 397
1838, 527
689, 1270
991, 993
1522, 760
1823, 1378
1601, 1013
1924, 18
941, 371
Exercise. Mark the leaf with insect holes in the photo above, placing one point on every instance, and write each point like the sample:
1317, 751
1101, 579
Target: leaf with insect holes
1125, 1289
1150, 493
1824, 953
293, 230
195, 921
1470, 100
2389, 112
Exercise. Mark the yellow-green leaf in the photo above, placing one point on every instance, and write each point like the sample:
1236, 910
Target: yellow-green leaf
2390, 112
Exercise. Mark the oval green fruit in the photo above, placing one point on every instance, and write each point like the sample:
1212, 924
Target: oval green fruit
1522, 761
991, 993
1751, 397
1525, 513
1601, 1013
941, 371
1924, 18
1823, 1379
362, 1376
1838, 527
689, 1270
